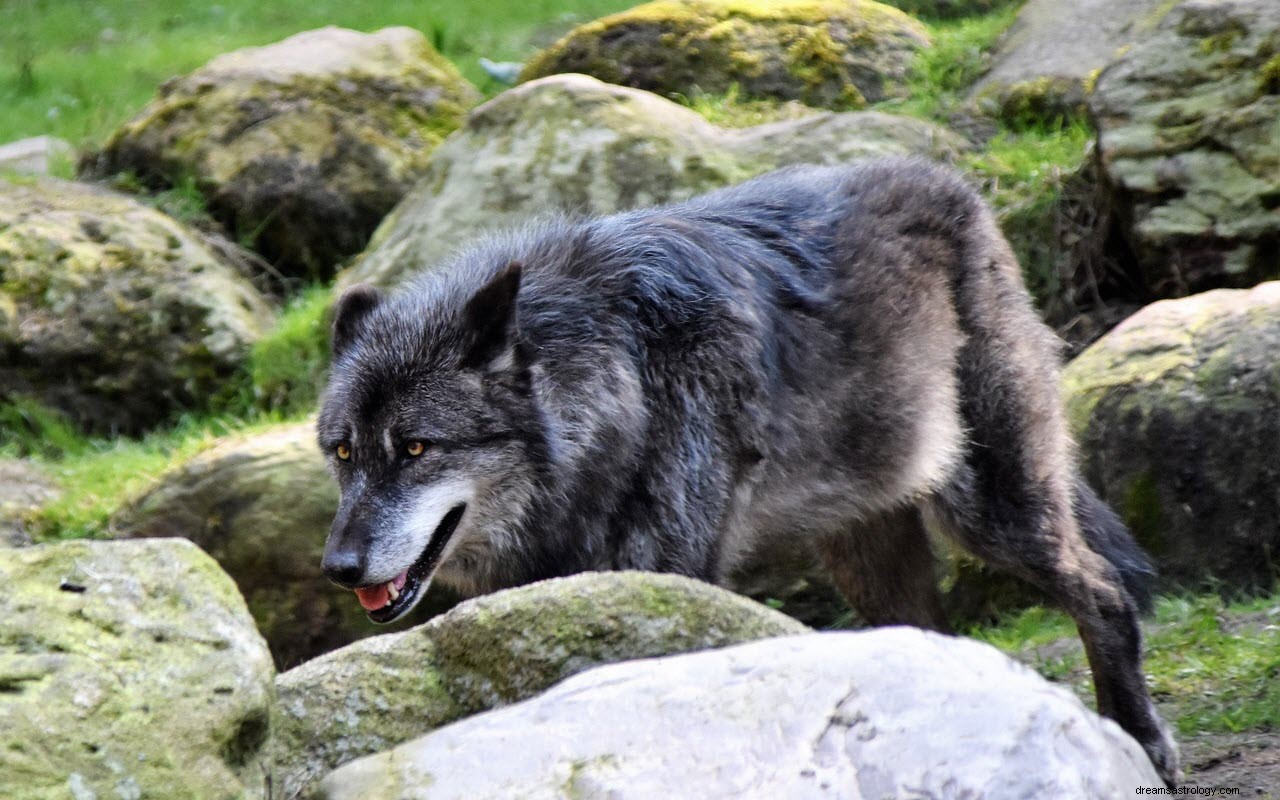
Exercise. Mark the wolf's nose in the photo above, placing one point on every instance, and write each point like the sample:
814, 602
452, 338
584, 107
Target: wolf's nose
343, 567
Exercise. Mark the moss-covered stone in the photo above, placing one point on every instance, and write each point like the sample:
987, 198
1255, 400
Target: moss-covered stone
826, 53
128, 669
111, 312
571, 143
492, 651
1176, 414
1044, 66
261, 505
1190, 145
301, 147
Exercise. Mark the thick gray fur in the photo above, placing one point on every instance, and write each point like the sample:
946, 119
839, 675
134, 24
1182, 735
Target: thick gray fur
820, 359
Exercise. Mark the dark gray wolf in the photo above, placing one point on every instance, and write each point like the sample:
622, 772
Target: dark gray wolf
821, 358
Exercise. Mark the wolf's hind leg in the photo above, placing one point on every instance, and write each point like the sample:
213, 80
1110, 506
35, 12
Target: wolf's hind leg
1039, 538
885, 568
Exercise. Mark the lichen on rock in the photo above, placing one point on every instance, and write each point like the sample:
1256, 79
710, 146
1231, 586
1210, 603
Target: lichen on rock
1175, 412
1189, 143
128, 669
299, 147
111, 312
832, 54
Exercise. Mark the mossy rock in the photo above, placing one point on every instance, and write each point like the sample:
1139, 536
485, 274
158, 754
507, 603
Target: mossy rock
113, 313
838, 54
1190, 146
1176, 415
261, 504
128, 669
571, 144
1044, 66
950, 9
493, 651
300, 147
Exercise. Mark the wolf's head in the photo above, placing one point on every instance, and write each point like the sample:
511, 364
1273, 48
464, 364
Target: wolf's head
426, 423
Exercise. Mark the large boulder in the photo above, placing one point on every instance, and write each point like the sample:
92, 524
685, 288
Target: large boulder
128, 669
1045, 63
1189, 143
1176, 414
301, 146
24, 487
112, 312
261, 504
570, 143
840, 54
491, 651
891, 713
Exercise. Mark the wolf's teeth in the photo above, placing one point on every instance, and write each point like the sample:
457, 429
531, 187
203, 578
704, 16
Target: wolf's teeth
392, 591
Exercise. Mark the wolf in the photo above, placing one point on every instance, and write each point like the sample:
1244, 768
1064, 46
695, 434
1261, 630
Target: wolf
826, 360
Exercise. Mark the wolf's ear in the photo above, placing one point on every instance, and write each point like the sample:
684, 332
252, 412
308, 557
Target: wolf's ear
351, 309
490, 317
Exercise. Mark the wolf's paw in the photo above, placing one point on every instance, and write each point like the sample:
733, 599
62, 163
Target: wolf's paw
1163, 752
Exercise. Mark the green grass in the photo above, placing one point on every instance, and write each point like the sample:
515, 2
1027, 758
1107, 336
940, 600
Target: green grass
77, 69
287, 368
1213, 666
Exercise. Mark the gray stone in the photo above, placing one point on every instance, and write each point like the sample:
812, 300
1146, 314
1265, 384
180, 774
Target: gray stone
1047, 60
490, 651
1176, 414
128, 669
573, 144
1189, 142
34, 156
24, 487
890, 713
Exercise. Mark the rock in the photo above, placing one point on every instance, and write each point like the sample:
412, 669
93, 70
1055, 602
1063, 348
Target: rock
1175, 412
1190, 146
111, 312
261, 505
128, 669
840, 54
34, 156
895, 712
491, 651
948, 9
571, 143
1046, 62
24, 487
302, 145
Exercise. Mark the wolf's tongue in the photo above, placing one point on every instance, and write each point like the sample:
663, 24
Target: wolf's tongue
373, 598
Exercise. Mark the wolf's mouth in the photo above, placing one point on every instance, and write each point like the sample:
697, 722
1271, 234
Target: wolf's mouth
386, 602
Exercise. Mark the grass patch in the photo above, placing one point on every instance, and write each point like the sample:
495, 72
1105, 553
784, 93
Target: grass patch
29, 429
731, 110
77, 70
99, 475
1214, 666
287, 368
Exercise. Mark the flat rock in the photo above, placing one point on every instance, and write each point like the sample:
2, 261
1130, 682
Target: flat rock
491, 651
890, 713
128, 669
34, 156
1189, 143
24, 487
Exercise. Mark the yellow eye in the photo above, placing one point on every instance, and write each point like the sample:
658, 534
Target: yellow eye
343, 452
415, 448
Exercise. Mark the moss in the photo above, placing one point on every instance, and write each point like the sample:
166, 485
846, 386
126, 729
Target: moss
827, 54
1269, 76
1142, 512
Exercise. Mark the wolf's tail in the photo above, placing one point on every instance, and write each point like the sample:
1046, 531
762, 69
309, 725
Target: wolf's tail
1109, 538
